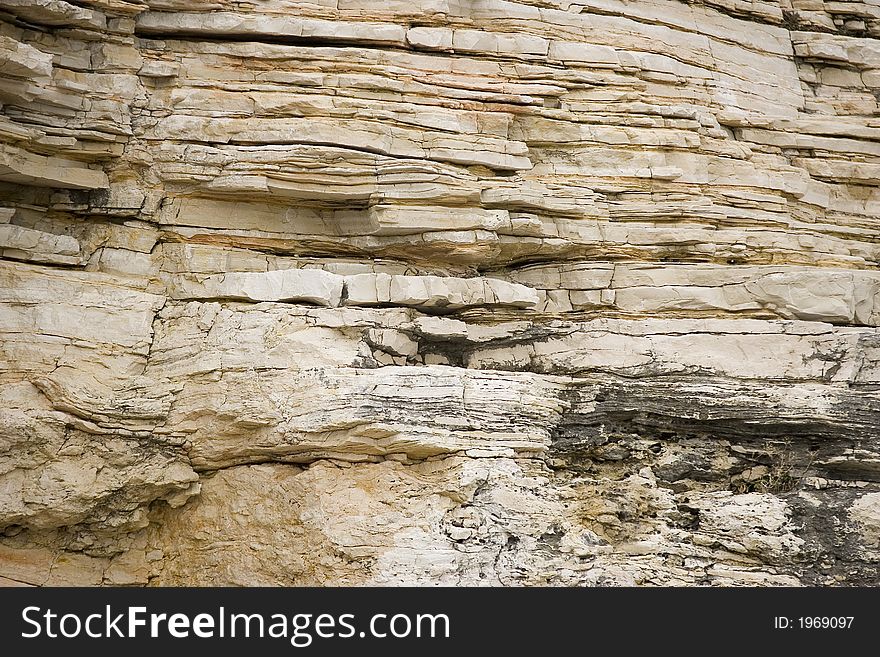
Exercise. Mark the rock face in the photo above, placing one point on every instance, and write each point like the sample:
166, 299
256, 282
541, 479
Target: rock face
445, 292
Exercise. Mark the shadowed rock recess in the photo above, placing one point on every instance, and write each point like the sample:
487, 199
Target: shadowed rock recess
451, 292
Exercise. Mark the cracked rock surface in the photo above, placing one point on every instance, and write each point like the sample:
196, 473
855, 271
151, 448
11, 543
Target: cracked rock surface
458, 292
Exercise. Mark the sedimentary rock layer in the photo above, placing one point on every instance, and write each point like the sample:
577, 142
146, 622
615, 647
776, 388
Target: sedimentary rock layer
441, 292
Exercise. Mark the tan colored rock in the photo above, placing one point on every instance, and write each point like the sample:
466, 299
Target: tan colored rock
865, 512
505, 293
18, 242
302, 285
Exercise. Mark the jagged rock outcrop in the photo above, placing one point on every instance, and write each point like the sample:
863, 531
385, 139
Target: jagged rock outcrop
443, 292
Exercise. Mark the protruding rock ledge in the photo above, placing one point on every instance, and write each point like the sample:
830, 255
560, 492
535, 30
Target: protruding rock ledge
824, 294
327, 289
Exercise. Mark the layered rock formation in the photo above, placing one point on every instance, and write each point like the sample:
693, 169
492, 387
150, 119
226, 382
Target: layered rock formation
449, 292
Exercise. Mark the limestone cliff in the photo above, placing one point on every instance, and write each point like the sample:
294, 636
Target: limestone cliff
439, 292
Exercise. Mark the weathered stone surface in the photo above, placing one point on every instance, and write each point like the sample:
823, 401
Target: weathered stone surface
515, 293
303, 285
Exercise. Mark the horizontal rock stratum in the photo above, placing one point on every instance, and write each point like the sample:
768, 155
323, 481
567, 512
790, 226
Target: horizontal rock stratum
442, 292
